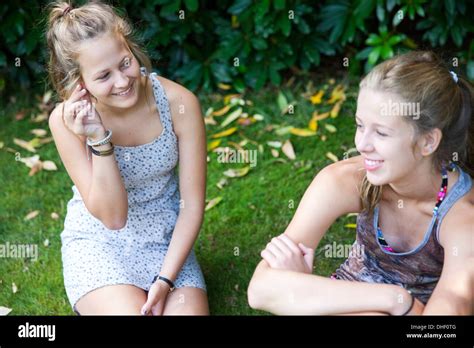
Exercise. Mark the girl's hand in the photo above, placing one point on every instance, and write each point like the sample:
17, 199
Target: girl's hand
418, 307
283, 253
80, 116
156, 299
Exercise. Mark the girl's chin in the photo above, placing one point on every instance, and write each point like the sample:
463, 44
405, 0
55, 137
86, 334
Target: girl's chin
376, 179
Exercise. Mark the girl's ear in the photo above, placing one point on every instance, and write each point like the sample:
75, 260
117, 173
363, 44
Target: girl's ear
431, 141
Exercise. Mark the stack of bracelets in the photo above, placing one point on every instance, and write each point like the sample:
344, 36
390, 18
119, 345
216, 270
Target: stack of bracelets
106, 140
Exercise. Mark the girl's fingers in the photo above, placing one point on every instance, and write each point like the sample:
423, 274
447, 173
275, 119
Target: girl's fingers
285, 250
151, 300
289, 243
275, 250
269, 257
305, 249
157, 309
77, 93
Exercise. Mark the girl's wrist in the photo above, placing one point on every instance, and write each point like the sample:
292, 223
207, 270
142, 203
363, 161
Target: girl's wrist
403, 301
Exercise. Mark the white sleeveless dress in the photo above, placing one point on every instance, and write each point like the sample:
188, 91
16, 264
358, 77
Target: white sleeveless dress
94, 256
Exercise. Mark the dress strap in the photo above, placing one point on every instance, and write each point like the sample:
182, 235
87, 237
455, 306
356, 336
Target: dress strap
462, 186
162, 102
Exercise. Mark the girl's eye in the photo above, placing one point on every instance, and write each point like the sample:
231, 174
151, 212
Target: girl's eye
381, 134
104, 76
126, 63
358, 125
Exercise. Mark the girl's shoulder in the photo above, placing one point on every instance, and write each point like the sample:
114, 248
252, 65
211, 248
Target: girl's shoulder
459, 219
345, 178
181, 101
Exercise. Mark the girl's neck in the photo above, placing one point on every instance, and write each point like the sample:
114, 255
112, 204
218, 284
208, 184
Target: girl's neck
421, 185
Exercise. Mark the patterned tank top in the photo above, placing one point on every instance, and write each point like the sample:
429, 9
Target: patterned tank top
417, 270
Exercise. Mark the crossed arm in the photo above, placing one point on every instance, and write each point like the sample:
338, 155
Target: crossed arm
283, 283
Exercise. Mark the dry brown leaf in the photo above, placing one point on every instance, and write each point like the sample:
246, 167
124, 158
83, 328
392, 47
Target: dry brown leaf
49, 165
14, 288
318, 117
40, 118
54, 215
222, 111
24, 144
288, 150
222, 182
275, 153
335, 110
43, 141
31, 215
210, 120
39, 132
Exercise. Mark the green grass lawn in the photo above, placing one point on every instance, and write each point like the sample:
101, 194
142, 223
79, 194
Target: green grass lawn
253, 209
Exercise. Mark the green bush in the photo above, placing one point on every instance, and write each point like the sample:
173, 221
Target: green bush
246, 44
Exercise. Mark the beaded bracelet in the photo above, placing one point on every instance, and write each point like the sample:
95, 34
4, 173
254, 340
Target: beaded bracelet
106, 140
102, 153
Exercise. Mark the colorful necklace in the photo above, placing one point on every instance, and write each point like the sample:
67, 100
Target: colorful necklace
441, 195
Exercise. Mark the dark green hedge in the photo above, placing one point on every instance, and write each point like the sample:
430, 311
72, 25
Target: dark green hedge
248, 44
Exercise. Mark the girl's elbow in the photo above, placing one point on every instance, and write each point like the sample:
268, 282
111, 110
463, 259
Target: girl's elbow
257, 293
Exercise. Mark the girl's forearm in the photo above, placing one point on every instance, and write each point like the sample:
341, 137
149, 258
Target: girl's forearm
185, 233
107, 199
289, 293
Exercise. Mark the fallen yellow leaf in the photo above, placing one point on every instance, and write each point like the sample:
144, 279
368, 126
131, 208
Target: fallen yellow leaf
212, 203
224, 86
232, 117
225, 133
302, 132
337, 94
335, 110
222, 111
330, 128
228, 97
237, 173
24, 144
318, 117
317, 98
213, 144
313, 125
332, 156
